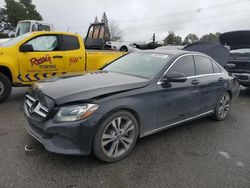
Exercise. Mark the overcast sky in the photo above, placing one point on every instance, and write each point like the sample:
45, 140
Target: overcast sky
139, 19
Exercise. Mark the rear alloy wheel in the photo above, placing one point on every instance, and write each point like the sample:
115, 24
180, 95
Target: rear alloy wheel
222, 107
124, 49
116, 137
5, 87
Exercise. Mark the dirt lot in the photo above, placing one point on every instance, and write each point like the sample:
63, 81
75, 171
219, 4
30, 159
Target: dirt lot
203, 153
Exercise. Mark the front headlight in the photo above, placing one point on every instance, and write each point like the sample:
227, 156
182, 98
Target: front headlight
75, 112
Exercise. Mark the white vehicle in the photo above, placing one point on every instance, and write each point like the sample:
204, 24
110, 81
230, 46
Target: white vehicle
171, 47
122, 46
26, 26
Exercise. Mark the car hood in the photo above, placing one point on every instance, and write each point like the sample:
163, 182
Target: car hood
236, 39
4, 40
88, 86
217, 51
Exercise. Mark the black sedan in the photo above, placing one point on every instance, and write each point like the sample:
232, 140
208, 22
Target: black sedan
142, 93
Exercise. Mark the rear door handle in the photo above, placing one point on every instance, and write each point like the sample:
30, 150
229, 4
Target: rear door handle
195, 82
57, 56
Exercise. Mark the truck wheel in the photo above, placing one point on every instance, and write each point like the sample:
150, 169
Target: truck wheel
5, 87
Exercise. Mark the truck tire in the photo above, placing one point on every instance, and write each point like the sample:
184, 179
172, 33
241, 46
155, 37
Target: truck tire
5, 87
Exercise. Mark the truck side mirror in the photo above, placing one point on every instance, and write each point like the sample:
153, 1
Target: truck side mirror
26, 48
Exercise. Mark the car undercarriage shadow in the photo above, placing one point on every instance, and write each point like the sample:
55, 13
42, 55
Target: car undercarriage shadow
17, 94
143, 146
245, 92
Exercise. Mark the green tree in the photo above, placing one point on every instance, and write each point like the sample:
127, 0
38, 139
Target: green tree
96, 20
211, 37
190, 38
106, 27
105, 18
30, 10
15, 11
172, 39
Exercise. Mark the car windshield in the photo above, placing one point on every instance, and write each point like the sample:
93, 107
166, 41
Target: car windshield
146, 65
22, 28
15, 40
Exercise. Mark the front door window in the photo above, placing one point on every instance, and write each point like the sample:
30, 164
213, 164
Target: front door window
44, 43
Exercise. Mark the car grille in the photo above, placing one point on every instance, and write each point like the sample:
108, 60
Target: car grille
243, 77
241, 65
35, 108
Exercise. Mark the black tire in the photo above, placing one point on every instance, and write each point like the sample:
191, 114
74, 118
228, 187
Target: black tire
5, 87
100, 149
222, 108
124, 49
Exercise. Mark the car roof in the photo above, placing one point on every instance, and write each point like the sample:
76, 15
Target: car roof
172, 52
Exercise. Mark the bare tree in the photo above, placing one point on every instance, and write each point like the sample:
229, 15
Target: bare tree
115, 31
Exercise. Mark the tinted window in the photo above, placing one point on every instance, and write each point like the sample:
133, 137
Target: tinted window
184, 65
203, 65
44, 43
43, 27
216, 68
70, 42
140, 64
35, 27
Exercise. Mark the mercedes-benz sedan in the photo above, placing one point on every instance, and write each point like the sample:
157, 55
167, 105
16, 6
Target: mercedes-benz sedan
142, 93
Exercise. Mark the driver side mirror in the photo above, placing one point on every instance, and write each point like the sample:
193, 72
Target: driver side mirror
26, 48
174, 77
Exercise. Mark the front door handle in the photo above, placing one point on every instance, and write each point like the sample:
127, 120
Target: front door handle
57, 56
195, 82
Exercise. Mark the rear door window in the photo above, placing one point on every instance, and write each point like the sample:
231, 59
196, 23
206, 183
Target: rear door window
203, 65
70, 42
184, 65
216, 68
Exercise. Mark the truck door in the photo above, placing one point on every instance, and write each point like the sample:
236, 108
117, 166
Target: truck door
44, 61
73, 53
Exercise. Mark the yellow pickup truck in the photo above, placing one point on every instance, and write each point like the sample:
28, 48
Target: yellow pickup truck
40, 55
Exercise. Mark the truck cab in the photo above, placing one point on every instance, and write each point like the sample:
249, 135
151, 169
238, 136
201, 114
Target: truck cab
27, 26
238, 42
35, 56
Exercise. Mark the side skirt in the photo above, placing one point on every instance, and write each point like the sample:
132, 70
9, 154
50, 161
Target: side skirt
177, 123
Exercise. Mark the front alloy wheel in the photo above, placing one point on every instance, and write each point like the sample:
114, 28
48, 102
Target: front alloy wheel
116, 137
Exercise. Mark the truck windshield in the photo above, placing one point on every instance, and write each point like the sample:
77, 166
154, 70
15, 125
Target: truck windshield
15, 40
22, 28
146, 65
